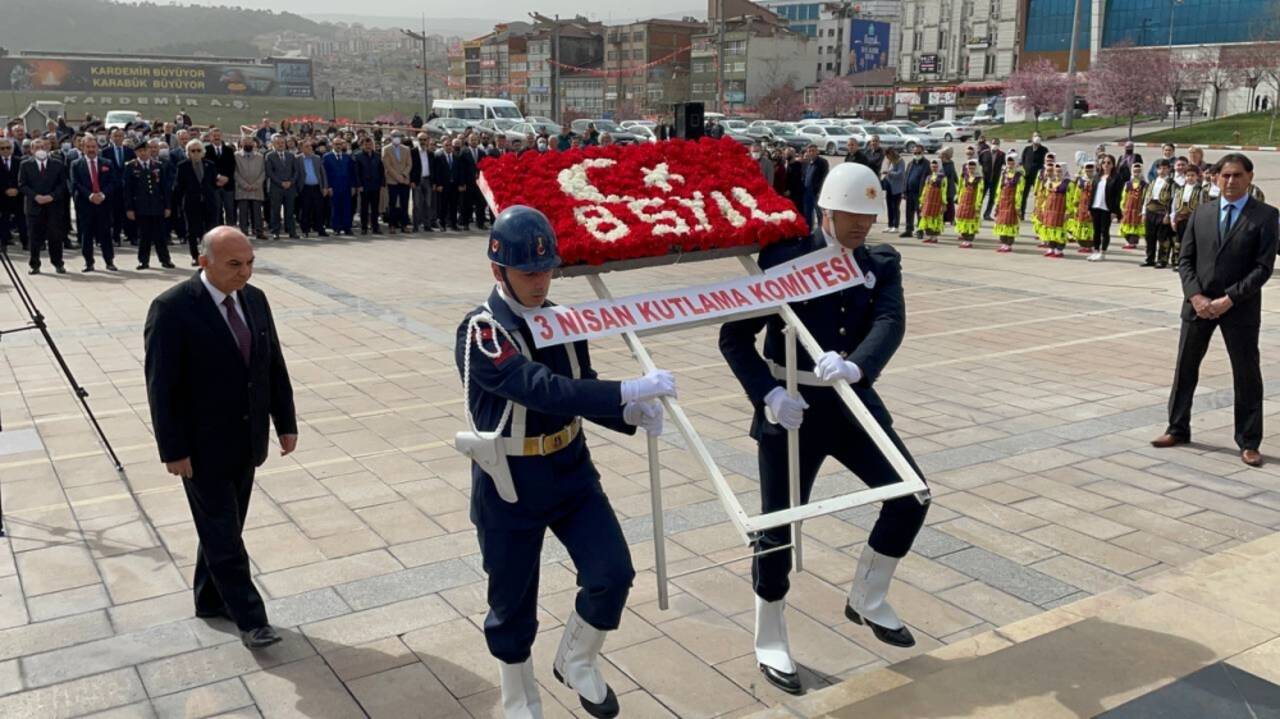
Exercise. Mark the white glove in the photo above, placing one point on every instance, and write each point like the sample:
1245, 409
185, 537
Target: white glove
658, 383
646, 415
787, 411
831, 366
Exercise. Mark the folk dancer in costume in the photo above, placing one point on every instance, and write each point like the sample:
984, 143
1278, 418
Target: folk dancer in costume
969, 203
1185, 202
860, 327
1157, 204
933, 203
1008, 204
1038, 193
534, 472
1131, 199
1053, 213
1079, 219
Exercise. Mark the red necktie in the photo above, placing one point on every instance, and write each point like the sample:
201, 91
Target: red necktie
93, 175
243, 339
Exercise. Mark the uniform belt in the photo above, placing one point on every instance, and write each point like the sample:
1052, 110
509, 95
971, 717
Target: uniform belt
545, 444
808, 379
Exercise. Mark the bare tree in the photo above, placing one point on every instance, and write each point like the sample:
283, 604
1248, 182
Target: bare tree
1220, 74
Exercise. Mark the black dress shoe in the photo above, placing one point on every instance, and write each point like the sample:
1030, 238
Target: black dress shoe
322, 233
60, 270
263, 636
294, 236
1148, 263
87, 268
606, 709
789, 683
33, 271
143, 267
897, 637
112, 267
195, 263
167, 265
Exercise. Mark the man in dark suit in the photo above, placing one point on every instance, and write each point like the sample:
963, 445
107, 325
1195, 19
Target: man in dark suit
197, 194
120, 156
369, 180
146, 202
1125, 163
473, 204
11, 212
917, 172
215, 376
94, 181
451, 184
815, 171
992, 161
282, 187
1228, 253
422, 178
43, 182
795, 178
223, 157
1033, 156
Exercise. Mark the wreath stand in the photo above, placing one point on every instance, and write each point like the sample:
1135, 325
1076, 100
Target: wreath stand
748, 526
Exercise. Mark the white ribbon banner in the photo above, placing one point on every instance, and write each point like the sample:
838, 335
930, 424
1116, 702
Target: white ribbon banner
813, 275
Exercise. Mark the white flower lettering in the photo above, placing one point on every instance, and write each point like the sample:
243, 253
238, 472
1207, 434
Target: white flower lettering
600, 222
640, 208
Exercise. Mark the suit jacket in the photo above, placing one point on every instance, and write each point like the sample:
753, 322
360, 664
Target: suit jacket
340, 172
109, 178
251, 173
397, 171
1115, 187
31, 182
109, 151
1237, 266
1124, 165
795, 181
205, 403
467, 166
321, 175
283, 167
9, 180
369, 173
191, 193
224, 164
820, 169
452, 174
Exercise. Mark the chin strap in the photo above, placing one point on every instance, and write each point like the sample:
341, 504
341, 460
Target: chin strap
506, 283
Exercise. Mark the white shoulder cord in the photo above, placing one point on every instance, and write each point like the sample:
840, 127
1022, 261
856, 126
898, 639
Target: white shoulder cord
472, 327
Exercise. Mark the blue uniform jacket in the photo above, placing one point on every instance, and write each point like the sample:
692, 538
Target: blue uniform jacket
544, 385
865, 325
341, 171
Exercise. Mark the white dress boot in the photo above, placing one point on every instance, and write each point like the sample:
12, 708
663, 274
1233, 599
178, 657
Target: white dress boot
773, 649
520, 699
577, 666
867, 599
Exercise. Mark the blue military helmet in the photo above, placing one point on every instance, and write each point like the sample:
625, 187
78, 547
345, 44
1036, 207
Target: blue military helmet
521, 238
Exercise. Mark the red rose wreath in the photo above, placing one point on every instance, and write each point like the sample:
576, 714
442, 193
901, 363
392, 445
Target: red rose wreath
644, 200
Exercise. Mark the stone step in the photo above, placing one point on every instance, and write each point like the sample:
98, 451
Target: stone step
1084, 658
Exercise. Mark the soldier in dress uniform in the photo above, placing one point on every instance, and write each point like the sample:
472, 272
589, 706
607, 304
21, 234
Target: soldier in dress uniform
534, 472
860, 328
146, 202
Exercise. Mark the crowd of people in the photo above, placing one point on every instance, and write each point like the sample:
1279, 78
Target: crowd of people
156, 183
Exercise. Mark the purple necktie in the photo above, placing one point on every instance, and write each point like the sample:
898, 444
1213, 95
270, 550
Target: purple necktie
238, 328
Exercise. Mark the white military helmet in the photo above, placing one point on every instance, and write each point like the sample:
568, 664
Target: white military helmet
851, 187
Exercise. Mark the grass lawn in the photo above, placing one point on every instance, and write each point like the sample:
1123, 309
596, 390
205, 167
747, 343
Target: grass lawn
252, 109
1252, 128
1049, 129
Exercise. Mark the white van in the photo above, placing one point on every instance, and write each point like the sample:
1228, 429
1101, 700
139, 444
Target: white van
498, 109
468, 110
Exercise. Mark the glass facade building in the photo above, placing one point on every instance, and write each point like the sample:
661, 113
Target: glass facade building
802, 17
1147, 22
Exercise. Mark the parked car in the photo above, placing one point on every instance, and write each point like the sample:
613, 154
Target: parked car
889, 137
903, 138
950, 131
830, 139
619, 135
787, 134
628, 124
121, 118
901, 123
644, 133
922, 137
765, 123
535, 128
505, 127
759, 132
449, 125
734, 125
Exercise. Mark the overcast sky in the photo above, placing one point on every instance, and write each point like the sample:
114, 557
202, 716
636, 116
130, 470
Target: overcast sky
481, 9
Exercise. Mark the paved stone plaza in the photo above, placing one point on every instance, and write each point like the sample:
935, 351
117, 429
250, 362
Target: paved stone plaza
1027, 389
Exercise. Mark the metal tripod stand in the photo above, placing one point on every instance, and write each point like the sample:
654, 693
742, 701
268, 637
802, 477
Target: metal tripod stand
37, 322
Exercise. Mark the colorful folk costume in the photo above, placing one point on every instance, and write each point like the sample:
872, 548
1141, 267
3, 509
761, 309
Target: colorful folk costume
1038, 191
1185, 201
1158, 203
1131, 209
968, 209
1079, 219
1007, 206
933, 204
1053, 215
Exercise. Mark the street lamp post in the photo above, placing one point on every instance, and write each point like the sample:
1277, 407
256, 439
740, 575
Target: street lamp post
1069, 113
426, 80
1173, 4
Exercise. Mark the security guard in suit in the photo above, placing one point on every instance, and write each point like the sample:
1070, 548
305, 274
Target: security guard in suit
532, 471
860, 327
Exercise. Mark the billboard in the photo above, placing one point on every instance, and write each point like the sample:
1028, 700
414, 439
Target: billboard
868, 46
277, 78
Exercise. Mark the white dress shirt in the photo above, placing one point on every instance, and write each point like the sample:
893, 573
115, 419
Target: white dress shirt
1100, 193
218, 297
426, 165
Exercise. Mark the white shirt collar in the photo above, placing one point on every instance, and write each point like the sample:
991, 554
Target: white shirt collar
218, 295
831, 241
516, 307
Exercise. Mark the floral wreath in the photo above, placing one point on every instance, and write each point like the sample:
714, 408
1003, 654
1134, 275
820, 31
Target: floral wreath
644, 200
